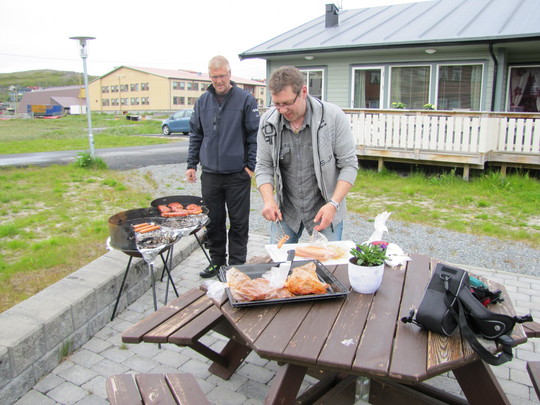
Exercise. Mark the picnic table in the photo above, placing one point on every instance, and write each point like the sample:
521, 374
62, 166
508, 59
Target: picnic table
339, 339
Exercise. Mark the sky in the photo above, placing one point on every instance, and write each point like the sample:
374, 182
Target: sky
165, 34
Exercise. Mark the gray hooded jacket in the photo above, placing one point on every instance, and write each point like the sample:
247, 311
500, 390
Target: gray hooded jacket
335, 150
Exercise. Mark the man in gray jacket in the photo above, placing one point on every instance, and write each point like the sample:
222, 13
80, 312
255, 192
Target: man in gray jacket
306, 154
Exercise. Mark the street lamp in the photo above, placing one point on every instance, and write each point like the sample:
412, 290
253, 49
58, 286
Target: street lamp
84, 55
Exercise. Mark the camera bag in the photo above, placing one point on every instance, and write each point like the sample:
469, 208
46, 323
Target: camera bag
449, 303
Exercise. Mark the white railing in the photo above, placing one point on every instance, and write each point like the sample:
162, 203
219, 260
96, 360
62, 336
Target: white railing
481, 136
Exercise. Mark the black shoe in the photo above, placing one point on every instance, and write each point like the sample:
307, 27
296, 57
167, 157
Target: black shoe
210, 271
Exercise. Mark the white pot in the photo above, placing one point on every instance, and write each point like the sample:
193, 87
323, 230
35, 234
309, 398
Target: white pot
365, 279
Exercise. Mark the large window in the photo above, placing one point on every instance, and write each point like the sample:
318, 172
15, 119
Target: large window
524, 89
314, 81
409, 85
367, 88
459, 87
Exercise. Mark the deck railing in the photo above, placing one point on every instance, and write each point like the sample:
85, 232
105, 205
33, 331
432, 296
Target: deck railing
467, 139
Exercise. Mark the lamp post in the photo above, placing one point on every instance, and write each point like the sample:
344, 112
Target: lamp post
84, 55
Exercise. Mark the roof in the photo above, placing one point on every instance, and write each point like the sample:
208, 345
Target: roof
184, 74
59, 95
422, 23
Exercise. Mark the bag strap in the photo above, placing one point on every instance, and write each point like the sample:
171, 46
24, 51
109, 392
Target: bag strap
505, 340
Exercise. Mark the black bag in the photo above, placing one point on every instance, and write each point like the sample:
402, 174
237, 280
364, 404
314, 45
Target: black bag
448, 302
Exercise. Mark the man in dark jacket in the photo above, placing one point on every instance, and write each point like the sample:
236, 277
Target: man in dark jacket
223, 139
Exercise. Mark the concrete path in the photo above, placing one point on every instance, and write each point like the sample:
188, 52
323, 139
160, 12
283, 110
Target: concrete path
80, 378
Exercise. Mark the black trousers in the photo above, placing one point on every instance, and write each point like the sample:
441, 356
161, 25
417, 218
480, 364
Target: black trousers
222, 194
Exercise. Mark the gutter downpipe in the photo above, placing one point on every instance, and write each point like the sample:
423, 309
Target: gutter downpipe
495, 73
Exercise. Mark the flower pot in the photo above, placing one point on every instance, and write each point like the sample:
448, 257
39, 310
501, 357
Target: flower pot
365, 279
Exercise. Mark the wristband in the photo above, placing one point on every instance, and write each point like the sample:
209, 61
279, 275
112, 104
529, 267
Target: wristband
335, 204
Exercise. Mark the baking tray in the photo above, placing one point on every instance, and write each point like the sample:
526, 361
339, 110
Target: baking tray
336, 289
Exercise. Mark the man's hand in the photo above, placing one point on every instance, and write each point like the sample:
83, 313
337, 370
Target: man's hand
325, 216
191, 175
271, 211
249, 172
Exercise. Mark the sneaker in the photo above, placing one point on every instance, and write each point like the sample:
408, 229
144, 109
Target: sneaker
210, 271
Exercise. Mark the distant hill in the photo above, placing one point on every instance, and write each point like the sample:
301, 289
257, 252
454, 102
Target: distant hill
39, 78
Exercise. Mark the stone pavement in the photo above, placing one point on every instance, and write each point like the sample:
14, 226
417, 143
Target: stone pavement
80, 378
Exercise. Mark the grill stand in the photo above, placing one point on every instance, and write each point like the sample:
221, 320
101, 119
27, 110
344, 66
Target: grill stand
166, 261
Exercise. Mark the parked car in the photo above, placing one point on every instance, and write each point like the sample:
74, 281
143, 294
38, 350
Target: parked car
178, 122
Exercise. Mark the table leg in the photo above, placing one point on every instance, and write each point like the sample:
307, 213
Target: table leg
286, 384
480, 385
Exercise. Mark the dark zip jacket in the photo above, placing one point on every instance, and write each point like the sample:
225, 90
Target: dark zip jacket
223, 139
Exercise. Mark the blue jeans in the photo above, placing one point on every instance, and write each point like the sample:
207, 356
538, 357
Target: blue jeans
331, 235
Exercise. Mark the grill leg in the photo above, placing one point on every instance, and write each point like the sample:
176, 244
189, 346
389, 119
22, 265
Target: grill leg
121, 287
203, 249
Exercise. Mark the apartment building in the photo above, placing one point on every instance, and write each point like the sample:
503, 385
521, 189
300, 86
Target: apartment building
138, 89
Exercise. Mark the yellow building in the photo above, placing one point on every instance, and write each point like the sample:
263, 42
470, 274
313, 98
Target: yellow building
137, 89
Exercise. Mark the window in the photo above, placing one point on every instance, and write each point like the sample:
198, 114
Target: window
105, 102
459, 87
524, 89
196, 86
204, 86
145, 100
124, 101
145, 86
314, 81
114, 89
178, 100
189, 85
104, 89
124, 87
134, 100
191, 100
410, 85
134, 87
367, 88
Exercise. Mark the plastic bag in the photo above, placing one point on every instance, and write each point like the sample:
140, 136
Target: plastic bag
396, 256
318, 239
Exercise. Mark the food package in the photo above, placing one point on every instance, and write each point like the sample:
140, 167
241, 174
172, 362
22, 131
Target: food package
304, 280
244, 288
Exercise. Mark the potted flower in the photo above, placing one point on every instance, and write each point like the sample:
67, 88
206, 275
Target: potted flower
366, 267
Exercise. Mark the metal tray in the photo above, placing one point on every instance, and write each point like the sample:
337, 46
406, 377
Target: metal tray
336, 289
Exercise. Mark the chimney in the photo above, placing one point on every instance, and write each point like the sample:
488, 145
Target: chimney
331, 17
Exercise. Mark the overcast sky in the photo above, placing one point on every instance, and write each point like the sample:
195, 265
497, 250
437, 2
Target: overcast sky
167, 34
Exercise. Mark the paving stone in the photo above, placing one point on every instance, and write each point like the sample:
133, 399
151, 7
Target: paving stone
48, 382
139, 364
254, 390
223, 396
116, 354
108, 368
96, 386
85, 357
253, 372
171, 358
67, 393
93, 400
77, 374
34, 397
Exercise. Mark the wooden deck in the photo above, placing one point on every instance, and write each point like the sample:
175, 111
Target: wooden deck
467, 140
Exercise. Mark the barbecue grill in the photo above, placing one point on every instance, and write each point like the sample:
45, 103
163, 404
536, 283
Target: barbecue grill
122, 235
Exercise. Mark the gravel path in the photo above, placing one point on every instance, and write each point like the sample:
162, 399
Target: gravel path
449, 246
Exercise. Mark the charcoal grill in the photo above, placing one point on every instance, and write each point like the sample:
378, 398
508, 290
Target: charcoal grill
122, 237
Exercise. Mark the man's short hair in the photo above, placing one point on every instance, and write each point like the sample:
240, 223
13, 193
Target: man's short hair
286, 76
219, 62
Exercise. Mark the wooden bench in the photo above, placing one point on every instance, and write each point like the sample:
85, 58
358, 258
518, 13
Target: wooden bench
532, 329
533, 368
183, 322
165, 389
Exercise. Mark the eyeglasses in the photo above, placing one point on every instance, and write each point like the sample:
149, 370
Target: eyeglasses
287, 104
219, 77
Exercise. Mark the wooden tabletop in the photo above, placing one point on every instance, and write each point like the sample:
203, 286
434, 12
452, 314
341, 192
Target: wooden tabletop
361, 334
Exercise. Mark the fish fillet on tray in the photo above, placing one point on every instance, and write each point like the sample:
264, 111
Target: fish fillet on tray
338, 252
